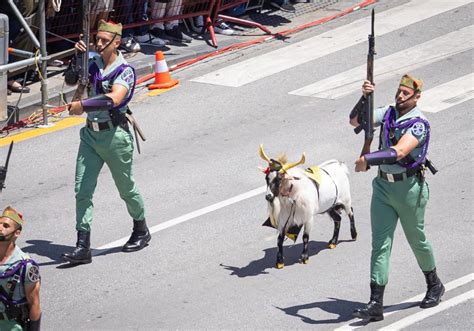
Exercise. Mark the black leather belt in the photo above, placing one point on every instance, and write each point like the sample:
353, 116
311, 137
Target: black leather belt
99, 126
397, 177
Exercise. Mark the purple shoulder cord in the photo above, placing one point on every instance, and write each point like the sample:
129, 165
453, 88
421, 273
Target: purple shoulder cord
97, 79
389, 123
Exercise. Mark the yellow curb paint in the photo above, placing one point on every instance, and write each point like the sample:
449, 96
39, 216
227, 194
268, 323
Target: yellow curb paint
65, 123
154, 93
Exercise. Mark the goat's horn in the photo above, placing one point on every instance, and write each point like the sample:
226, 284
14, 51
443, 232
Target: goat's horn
288, 166
263, 155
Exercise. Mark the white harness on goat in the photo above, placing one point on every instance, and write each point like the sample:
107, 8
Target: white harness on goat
314, 173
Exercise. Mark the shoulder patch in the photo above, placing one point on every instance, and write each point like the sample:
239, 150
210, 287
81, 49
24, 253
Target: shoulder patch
33, 274
418, 129
128, 76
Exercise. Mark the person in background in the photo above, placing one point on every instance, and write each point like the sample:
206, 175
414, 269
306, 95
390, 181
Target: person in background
20, 279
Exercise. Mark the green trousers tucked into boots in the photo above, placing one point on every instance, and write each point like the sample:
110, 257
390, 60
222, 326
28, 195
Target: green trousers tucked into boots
115, 148
392, 201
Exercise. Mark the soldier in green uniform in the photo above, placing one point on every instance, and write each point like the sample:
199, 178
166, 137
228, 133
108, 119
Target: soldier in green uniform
19, 278
399, 192
106, 138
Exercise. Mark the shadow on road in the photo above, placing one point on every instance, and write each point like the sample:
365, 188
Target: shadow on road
292, 255
342, 308
47, 249
53, 251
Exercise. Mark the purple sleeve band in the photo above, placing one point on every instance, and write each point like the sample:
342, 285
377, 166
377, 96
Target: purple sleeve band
385, 156
97, 103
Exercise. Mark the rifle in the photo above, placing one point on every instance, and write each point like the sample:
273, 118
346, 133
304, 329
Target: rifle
83, 58
365, 107
3, 169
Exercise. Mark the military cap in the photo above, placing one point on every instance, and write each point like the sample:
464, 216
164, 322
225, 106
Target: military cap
411, 82
12, 214
110, 27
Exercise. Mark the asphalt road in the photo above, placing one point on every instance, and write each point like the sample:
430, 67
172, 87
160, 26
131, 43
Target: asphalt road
216, 269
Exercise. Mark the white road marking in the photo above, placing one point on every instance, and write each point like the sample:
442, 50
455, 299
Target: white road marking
326, 43
392, 66
412, 319
409, 302
448, 94
185, 218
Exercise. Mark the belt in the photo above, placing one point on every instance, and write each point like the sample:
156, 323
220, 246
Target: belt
397, 177
99, 126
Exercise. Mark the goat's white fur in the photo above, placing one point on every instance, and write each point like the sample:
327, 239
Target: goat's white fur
306, 199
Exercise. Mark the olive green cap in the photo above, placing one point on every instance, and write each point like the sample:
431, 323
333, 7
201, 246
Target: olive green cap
411, 82
110, 27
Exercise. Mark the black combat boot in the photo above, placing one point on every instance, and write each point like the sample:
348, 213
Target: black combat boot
373, 311
139, 238
435, 290
82, 253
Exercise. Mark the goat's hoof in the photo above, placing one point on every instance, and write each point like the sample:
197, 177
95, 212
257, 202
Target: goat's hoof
280, 265
354, 237
304, 261
332, 245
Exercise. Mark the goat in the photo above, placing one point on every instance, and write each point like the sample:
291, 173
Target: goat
294, 199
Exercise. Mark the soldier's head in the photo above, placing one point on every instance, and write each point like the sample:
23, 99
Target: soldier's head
11, 224
408, 93
109, 35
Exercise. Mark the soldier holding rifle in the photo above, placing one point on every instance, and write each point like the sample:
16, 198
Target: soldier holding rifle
106, 138
399, 190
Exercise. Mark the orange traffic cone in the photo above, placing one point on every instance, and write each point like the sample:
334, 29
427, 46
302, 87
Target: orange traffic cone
162, 75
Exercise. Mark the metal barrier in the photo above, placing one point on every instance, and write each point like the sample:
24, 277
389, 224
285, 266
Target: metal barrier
136, 13
3, 60
223, 5
41, 58
66, 23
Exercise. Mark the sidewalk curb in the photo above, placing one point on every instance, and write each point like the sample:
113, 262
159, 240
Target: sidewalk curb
143, 67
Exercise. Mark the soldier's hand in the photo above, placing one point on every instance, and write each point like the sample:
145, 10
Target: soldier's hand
361, 164
75, 108
367, 88
80, 45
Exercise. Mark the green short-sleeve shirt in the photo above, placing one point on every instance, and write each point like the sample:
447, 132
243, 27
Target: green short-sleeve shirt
126, 79
32, 275
417, 130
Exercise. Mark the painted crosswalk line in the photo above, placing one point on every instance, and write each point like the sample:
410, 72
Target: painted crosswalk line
415, 318
447, 95
392, 66
409, 302
326, 43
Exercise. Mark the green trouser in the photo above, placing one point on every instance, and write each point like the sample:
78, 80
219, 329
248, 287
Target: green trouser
115, 148
10, 326
390, 202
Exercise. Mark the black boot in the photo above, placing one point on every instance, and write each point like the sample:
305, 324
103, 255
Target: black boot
373, 311
82, 253
139, 238
435, 290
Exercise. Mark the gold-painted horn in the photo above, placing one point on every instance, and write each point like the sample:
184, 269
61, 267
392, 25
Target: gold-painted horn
288, 166
263, 155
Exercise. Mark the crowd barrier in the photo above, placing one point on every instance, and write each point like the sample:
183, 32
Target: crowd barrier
224, 5
136, 14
